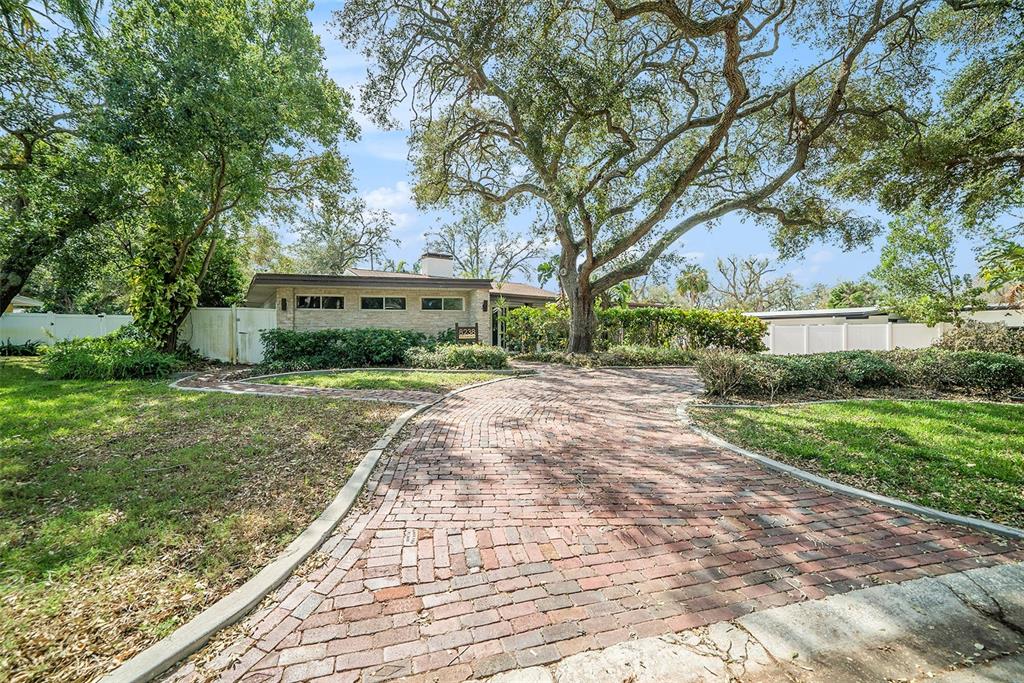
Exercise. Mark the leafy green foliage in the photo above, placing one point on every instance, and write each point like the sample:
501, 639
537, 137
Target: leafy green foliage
9, 348
232, 108
917, 270
625, 129
224, 284
457, 356
728, 373
120, 355
853, 294
337, 348
546, 329
961, 457
975, 336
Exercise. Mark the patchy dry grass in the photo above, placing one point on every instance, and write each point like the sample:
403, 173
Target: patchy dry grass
127, 507
966, 458
438, 382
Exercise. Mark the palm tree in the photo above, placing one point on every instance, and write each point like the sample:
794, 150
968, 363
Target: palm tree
23, 17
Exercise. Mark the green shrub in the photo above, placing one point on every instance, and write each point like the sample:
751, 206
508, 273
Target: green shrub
120, 355
29, 348
968, 371
727, 373
533, 330
320, 349
625, 355
457, 357
529, 330
694, 328
975, 336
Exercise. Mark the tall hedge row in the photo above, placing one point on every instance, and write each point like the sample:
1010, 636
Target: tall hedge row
547, 329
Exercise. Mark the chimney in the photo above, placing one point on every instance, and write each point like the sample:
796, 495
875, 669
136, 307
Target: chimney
437, 265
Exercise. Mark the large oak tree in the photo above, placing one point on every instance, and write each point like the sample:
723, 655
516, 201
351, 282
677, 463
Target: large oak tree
627, 124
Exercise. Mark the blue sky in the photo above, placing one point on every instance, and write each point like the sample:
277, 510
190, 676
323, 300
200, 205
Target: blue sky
384, 178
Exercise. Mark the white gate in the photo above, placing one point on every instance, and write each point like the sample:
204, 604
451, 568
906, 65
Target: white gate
231, 335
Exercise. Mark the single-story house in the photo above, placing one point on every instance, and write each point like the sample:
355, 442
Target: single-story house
431, 301
22, 303
993, 313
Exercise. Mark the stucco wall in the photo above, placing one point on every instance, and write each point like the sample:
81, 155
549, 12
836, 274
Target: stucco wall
412, 318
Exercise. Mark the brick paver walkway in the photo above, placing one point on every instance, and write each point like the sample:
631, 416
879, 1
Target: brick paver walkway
528, 520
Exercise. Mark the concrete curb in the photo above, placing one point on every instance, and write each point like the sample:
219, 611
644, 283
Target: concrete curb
189, 637
920, 510
503, 371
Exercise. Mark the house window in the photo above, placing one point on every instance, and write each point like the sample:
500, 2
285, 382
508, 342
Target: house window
333, 303
436, 303
382, 303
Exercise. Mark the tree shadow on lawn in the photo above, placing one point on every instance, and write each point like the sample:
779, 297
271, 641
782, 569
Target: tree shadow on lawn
134, 481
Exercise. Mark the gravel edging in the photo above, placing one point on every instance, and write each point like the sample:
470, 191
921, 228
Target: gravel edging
191, 636
920, 510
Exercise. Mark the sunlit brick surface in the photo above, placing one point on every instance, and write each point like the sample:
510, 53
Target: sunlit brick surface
528, 520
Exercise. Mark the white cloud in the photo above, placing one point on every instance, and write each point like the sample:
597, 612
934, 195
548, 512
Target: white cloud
396, 200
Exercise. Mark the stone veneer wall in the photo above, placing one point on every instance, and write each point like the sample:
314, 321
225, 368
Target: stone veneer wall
412, 318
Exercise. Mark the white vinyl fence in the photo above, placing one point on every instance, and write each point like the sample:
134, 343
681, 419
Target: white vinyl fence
21, 328
802, 339
231, 335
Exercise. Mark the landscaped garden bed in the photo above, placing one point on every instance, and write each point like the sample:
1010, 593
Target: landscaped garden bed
413, 380
128, 507
957, 456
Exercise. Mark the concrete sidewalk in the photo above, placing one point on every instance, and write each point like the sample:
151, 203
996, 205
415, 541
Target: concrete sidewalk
966, 627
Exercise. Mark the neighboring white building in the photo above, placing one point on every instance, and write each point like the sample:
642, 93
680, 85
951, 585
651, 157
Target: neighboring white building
994, 313
868, 328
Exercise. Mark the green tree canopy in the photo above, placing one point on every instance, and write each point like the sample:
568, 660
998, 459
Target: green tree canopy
918, 273
230, 105
626, 125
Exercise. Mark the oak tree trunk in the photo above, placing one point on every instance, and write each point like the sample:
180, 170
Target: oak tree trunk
582, 319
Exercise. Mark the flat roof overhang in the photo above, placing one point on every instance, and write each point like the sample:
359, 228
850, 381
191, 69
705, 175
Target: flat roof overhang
264, 285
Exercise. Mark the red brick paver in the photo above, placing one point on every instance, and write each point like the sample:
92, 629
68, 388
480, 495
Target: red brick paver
529, 520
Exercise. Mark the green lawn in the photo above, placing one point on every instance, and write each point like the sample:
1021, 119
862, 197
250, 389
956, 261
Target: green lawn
127, 507
966, 458
438, 382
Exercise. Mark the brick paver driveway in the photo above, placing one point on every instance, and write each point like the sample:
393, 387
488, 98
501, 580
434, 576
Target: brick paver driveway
531, 519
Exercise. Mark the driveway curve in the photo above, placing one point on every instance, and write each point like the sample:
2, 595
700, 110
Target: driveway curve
524, 521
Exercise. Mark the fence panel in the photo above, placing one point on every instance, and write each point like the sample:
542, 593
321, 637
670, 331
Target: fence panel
800, 339
250, 323
231, 335
871, 337
20, 328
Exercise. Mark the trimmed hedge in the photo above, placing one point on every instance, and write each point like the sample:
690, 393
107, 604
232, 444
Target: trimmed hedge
457, 357
121, 355
728, 373
627, 355
694, 328
320, 349
530, 330
975, 336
